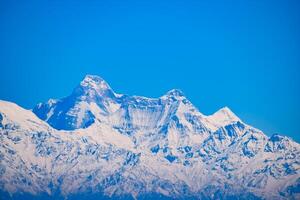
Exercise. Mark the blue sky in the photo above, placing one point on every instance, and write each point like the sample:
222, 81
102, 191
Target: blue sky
240, 54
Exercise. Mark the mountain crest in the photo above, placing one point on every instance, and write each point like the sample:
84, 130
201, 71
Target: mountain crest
226, 113
94, 97
137, 145
94, 82
222, 117
175, 93
93, 86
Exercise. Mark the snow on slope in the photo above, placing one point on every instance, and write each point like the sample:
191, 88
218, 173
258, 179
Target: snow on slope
221, 117
117, 146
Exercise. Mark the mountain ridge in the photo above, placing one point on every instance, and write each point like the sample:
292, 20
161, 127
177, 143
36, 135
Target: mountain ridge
89, 86
115, 146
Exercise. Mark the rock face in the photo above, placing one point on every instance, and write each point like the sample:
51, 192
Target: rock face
96, 143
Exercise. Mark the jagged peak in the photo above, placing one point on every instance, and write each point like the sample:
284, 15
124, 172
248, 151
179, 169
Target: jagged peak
175, 93
226, 113
95, 82
222, 117
93, 86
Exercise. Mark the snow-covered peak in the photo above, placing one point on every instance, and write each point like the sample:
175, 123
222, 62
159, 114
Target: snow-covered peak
222, 117
93, 100
93, 86
94, 82
225, 114
175, 92
13, 114
137, 145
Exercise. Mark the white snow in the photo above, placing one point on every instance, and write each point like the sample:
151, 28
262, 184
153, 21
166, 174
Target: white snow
117, 149
222, 117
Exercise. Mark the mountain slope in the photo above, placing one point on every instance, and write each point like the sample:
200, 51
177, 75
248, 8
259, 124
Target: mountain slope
97, 143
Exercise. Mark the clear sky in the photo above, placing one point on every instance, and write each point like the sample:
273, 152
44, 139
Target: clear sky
240, 54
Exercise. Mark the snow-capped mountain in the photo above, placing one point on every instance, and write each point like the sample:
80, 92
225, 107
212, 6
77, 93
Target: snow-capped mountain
98, 144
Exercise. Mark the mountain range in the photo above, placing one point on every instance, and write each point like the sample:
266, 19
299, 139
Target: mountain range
98, 144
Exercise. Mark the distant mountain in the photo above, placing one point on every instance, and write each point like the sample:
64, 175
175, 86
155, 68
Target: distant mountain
97, 144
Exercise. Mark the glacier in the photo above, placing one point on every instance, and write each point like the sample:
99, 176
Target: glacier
98, 144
